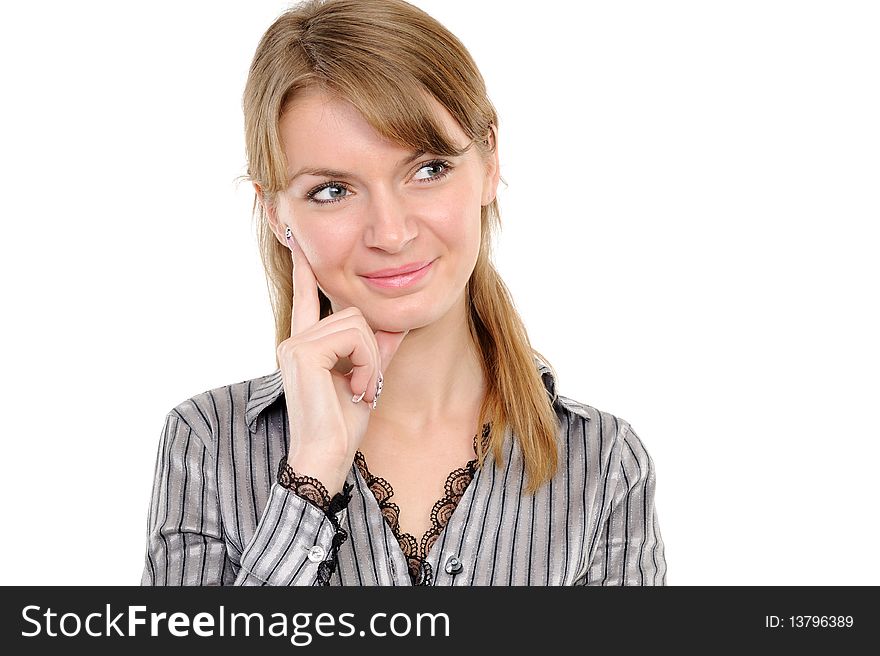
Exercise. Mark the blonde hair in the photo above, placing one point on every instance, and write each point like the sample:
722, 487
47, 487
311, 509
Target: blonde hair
383, 56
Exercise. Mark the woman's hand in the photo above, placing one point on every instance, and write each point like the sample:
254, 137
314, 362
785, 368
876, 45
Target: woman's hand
326, 426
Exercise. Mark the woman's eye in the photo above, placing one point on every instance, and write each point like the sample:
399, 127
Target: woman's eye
440, 169
334, 192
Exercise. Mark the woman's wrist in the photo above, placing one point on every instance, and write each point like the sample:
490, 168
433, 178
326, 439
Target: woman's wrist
317, 481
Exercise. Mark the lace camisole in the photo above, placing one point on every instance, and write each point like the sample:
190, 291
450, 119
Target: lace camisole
416, 551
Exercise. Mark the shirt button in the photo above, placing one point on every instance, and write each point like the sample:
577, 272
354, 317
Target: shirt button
453, 565
316, 553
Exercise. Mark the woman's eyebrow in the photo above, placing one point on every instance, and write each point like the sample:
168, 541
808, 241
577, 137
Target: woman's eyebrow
334, 173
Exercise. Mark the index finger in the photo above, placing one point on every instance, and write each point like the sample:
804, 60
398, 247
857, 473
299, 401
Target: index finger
306, 308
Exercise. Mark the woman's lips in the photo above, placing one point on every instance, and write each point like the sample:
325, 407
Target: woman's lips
401, 281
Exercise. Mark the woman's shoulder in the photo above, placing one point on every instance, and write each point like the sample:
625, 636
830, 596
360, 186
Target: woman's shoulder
240, 404
585, 429
589, 434
575, 414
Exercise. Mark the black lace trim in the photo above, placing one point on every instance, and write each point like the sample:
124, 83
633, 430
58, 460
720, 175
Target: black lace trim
312, 490
416, 552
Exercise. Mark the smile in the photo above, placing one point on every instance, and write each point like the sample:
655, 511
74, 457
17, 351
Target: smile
400, 281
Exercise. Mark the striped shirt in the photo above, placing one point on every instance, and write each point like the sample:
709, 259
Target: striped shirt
218, 515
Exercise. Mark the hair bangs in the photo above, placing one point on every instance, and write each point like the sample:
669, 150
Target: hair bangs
399, 109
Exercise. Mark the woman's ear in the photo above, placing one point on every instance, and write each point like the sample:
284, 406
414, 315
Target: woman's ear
270, 210
493, 168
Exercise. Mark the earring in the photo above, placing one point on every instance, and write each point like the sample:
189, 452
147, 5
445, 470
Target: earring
288, 233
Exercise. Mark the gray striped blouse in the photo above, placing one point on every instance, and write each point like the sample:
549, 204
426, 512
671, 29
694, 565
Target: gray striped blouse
218, 516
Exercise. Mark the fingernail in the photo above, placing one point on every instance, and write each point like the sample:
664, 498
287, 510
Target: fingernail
357, 398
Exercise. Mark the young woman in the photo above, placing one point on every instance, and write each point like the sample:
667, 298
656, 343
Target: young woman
410, 434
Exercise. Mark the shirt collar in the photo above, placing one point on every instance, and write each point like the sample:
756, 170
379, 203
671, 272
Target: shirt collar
268, 389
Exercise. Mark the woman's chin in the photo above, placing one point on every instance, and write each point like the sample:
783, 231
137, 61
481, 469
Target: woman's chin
397, 319
392, 326
401, 322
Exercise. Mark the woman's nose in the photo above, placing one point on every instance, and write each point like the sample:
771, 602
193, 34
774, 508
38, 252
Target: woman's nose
389, 226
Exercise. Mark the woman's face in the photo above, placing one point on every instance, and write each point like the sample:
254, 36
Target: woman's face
378, 206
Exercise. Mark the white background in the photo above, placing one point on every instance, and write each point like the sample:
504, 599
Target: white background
690, 233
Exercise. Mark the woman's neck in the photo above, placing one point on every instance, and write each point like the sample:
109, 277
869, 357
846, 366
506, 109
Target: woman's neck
436, 377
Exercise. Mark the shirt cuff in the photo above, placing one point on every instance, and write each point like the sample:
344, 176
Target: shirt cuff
296, 542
